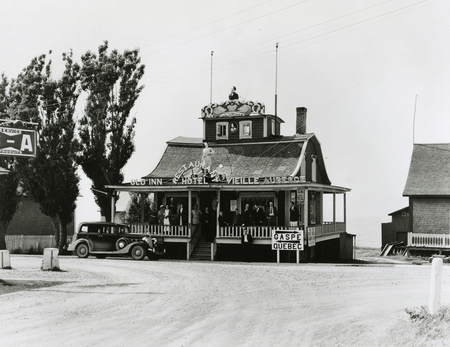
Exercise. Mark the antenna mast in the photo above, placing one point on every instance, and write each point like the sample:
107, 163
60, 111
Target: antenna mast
414, 120
210, 88
276, 79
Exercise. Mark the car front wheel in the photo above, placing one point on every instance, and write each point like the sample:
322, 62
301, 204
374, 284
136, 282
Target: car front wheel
82, 250
121, 243
138, 252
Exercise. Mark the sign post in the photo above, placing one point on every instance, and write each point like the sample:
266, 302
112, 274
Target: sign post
287, 240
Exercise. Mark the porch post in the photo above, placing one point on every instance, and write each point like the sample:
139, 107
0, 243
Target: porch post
189, 206
217, 214
142, 207
345, 211
306, 221
334, 211
113, 206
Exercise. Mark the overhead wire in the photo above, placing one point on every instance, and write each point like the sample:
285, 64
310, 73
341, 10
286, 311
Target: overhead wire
267, 52
251, 57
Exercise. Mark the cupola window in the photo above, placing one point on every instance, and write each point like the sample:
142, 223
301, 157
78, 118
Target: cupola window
222, 130
245, 130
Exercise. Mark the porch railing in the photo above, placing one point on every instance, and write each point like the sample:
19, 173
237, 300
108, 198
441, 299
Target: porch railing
161, 230
429, 240
262, 232
259, 232
330, 228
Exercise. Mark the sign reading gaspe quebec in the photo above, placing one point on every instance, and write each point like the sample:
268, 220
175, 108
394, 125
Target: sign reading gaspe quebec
287, 240
17, 142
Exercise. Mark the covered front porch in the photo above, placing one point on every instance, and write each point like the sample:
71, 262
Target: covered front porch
322, 216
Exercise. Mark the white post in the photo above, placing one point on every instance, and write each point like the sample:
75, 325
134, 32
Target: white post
50, 261
5, 262
435, 286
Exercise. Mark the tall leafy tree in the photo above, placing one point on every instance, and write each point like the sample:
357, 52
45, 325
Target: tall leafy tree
50, 178
9, 184
111, 83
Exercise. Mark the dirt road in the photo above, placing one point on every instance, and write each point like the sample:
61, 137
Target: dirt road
121, 302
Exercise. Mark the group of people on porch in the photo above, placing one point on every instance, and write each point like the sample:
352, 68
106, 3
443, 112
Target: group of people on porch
177, 214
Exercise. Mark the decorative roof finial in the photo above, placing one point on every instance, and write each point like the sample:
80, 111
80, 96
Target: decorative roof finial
233, 95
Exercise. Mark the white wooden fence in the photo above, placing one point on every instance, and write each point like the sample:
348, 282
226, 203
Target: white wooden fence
429, 240
31, 243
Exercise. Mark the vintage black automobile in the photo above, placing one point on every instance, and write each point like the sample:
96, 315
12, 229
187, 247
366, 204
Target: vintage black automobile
102, 239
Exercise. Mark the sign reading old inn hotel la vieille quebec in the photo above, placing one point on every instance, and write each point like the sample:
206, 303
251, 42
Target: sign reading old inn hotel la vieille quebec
244, 163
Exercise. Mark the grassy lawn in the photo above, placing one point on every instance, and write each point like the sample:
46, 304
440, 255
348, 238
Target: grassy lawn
421, 329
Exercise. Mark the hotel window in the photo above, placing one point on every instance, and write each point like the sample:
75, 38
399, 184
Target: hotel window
222, 131
312, 208
314, 168
245, 130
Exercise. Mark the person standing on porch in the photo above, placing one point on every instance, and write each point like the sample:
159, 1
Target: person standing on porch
246, 241
182, 215
259, 216
237, 218
247, 217
167, 216
208, 225
196, 215
293, 219
271, 214
222, 222
161, 215
153, 214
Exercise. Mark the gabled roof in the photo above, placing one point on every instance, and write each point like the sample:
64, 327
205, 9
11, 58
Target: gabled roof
429, 171
260, 159
398, 211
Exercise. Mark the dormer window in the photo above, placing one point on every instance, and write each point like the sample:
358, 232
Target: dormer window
245, 130
222, 131
273, 127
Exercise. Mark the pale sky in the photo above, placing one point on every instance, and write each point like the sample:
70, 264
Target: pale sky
357, 67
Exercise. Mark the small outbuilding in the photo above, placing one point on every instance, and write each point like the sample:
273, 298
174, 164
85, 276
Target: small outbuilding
428, 190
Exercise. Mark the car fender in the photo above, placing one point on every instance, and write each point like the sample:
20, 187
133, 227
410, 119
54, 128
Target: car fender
74, 245
127, 248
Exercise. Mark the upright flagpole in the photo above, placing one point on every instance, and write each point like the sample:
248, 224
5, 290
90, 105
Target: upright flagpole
414, 120
210, 89
276, 80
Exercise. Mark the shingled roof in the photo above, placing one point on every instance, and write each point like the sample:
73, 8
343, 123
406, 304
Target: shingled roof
429, 171
262, 159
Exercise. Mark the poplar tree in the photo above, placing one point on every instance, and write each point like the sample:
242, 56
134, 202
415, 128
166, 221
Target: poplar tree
106, 130
10, 195
50, 178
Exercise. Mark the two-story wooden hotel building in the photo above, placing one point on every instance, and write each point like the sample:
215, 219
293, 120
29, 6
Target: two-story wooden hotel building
242, 160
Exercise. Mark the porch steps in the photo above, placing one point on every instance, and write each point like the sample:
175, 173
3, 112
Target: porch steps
202, 251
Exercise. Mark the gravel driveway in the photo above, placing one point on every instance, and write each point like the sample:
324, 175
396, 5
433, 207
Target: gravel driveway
121, 302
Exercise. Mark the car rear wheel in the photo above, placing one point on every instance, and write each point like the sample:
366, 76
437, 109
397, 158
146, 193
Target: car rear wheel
82, 250
138, 252
121, 243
